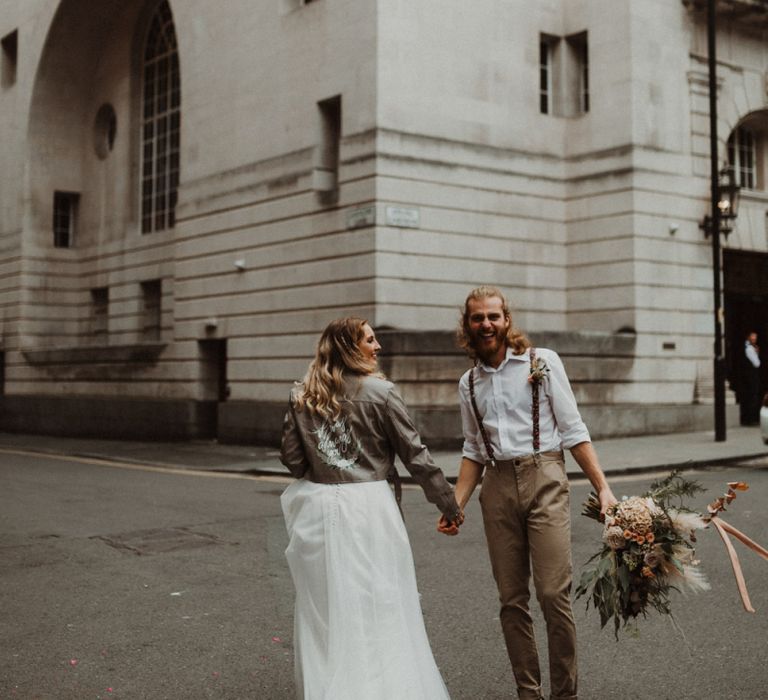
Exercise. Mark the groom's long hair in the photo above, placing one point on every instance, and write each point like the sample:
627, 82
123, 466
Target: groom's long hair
516, 339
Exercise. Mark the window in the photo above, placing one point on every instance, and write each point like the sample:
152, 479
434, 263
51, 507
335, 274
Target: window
64, 218
564, 75
546, 46
742, 156
161, 124
327, 170
579, 68
151, 312
10, 47
100, 312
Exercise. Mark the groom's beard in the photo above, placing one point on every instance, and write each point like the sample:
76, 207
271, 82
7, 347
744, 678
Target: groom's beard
484, 347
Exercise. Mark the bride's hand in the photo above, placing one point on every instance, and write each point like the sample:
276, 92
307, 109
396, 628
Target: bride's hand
450, 527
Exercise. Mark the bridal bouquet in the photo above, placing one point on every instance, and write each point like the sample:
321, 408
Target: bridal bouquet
648, 551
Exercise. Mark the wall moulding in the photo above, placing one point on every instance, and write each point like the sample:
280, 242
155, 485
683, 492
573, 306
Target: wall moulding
136, 353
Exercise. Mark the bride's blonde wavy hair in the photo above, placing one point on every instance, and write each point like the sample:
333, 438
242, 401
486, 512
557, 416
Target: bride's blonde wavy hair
516, 339
337, 355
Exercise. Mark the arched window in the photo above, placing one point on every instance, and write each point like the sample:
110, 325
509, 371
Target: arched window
161, 121
742, 157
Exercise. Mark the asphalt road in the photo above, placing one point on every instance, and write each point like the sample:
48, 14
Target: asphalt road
119, 582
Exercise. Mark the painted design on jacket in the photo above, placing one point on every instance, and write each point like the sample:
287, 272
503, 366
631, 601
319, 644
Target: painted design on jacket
337, 444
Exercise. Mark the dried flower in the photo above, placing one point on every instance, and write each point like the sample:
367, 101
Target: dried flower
693, 579
630, 560
634, 514
613, 537
685, 520
539, 372
653, 558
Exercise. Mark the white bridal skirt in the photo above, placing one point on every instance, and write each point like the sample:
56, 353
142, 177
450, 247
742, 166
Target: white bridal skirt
358, 628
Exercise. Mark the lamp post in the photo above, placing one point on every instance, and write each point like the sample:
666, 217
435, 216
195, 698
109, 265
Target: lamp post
724, 193
727, 204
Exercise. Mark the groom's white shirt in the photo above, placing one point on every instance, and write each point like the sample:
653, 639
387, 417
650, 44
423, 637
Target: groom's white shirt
503, 397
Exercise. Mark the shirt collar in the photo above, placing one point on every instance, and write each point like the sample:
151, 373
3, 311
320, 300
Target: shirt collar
507, 357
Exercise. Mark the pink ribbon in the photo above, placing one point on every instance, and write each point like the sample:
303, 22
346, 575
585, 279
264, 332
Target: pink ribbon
724, 529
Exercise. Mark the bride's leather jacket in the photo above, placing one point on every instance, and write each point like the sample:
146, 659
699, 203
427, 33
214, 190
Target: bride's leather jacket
361, 444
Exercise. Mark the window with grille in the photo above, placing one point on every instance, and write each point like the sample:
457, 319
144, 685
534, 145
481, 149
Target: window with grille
64, 218
161, 110
742, 152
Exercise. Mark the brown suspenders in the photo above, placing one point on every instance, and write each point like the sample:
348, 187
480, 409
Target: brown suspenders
491, 460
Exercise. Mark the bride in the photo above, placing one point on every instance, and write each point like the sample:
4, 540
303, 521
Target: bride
358, 627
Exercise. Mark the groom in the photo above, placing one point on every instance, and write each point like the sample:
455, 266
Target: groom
518, 412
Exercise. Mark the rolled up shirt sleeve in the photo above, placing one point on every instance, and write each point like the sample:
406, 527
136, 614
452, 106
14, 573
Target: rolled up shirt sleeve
471, 448
566, 413
415, 456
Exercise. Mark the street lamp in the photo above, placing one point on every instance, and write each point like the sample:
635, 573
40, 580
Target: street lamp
727, 204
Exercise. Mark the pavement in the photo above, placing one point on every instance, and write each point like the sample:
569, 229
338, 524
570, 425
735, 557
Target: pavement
626, 455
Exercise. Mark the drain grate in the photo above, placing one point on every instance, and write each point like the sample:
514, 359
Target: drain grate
160, 541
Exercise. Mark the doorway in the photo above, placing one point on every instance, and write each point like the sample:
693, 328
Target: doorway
745, 285
213, 378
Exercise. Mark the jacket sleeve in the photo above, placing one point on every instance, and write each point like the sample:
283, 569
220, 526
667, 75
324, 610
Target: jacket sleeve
292, 453
415, 456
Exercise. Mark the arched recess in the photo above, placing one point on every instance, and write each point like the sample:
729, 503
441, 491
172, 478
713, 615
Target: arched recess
747, 151
83, 167
84, 132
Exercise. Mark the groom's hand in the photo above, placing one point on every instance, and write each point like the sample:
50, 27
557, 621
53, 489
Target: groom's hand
450, 527
607, 500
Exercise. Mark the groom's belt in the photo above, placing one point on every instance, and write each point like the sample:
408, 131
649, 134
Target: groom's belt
527, 460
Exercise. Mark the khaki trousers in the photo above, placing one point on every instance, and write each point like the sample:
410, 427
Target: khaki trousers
526, 512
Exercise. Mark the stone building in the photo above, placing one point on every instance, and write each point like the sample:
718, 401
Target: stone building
191, 190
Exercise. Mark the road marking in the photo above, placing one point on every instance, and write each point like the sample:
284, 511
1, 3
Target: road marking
147, 467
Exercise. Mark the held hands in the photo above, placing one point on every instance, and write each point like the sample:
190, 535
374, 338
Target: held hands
450, 527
